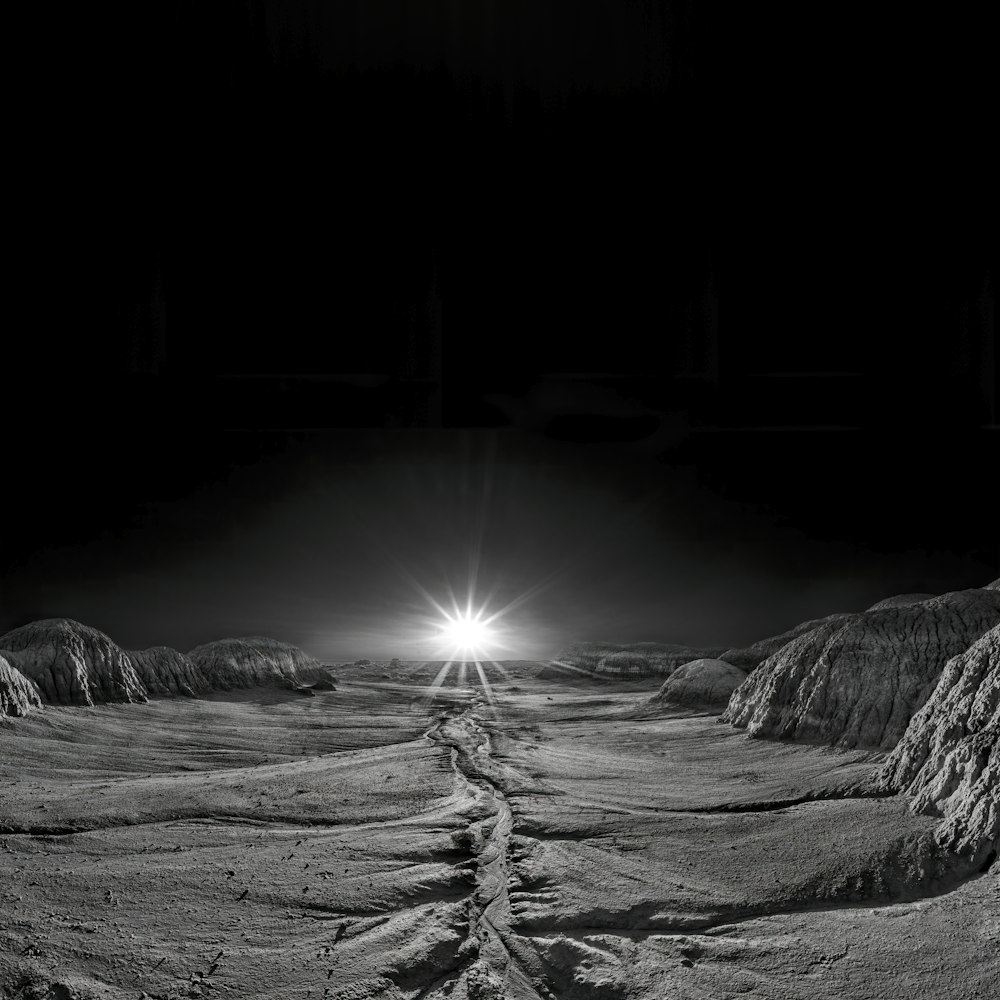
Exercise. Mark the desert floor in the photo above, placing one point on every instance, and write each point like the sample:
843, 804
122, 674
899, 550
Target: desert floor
508, 830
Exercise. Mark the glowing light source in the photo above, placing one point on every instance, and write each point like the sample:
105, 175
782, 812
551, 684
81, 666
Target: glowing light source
466, 633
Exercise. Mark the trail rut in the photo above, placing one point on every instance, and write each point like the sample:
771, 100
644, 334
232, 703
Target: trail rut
498, 970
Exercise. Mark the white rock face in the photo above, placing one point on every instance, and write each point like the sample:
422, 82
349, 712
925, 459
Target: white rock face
167, 672
995, 585
73, 664
700, 683
254, 660
857, 682
18, 694
949, 756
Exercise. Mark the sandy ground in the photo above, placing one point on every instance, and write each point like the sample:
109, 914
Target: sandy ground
502, 831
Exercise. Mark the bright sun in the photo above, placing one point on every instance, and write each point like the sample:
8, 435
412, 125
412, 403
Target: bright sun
466, 632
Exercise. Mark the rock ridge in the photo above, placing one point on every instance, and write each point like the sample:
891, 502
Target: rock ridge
166, 672
73, 664
254, 660
700, 683
857, 680
949, 757
18, 694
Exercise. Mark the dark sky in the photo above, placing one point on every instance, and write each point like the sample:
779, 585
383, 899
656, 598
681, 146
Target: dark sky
681, 324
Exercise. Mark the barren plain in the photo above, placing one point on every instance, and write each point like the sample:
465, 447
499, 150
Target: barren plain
509, 829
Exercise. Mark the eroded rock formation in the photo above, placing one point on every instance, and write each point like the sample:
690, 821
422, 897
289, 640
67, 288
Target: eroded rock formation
247, 662
327, 683
704, 683
73, 664
749, 657
900, 601
167, 672
637, 659
625, 664
949, 756
18, 694
857, 681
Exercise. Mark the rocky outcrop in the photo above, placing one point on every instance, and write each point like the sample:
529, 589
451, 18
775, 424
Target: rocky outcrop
949, 756
750, 657
900, 601
167, 672
704, 683
995, 585
252, 661
327, 683
632, 660
73, 664
856, 682
625, 665
18, 694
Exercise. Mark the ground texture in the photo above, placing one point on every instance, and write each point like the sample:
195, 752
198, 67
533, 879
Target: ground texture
502, 830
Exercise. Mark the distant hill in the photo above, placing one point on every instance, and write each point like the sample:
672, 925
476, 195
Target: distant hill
704, 683
63, 662
252, 661
631, 660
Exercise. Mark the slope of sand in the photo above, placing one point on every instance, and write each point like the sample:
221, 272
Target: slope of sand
465, 832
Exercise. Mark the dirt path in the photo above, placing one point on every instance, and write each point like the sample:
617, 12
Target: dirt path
497, 970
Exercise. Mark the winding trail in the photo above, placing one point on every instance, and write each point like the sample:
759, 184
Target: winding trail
498, 971
499, 962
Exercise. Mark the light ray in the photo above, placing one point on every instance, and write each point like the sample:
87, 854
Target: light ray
466, 634
485, 683
569, 666
527, 595
502, 670
438, 681
420, 588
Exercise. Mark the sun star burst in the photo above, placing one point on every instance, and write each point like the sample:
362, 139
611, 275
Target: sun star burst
466, 633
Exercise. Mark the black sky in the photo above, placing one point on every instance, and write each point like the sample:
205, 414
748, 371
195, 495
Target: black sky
688, 314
